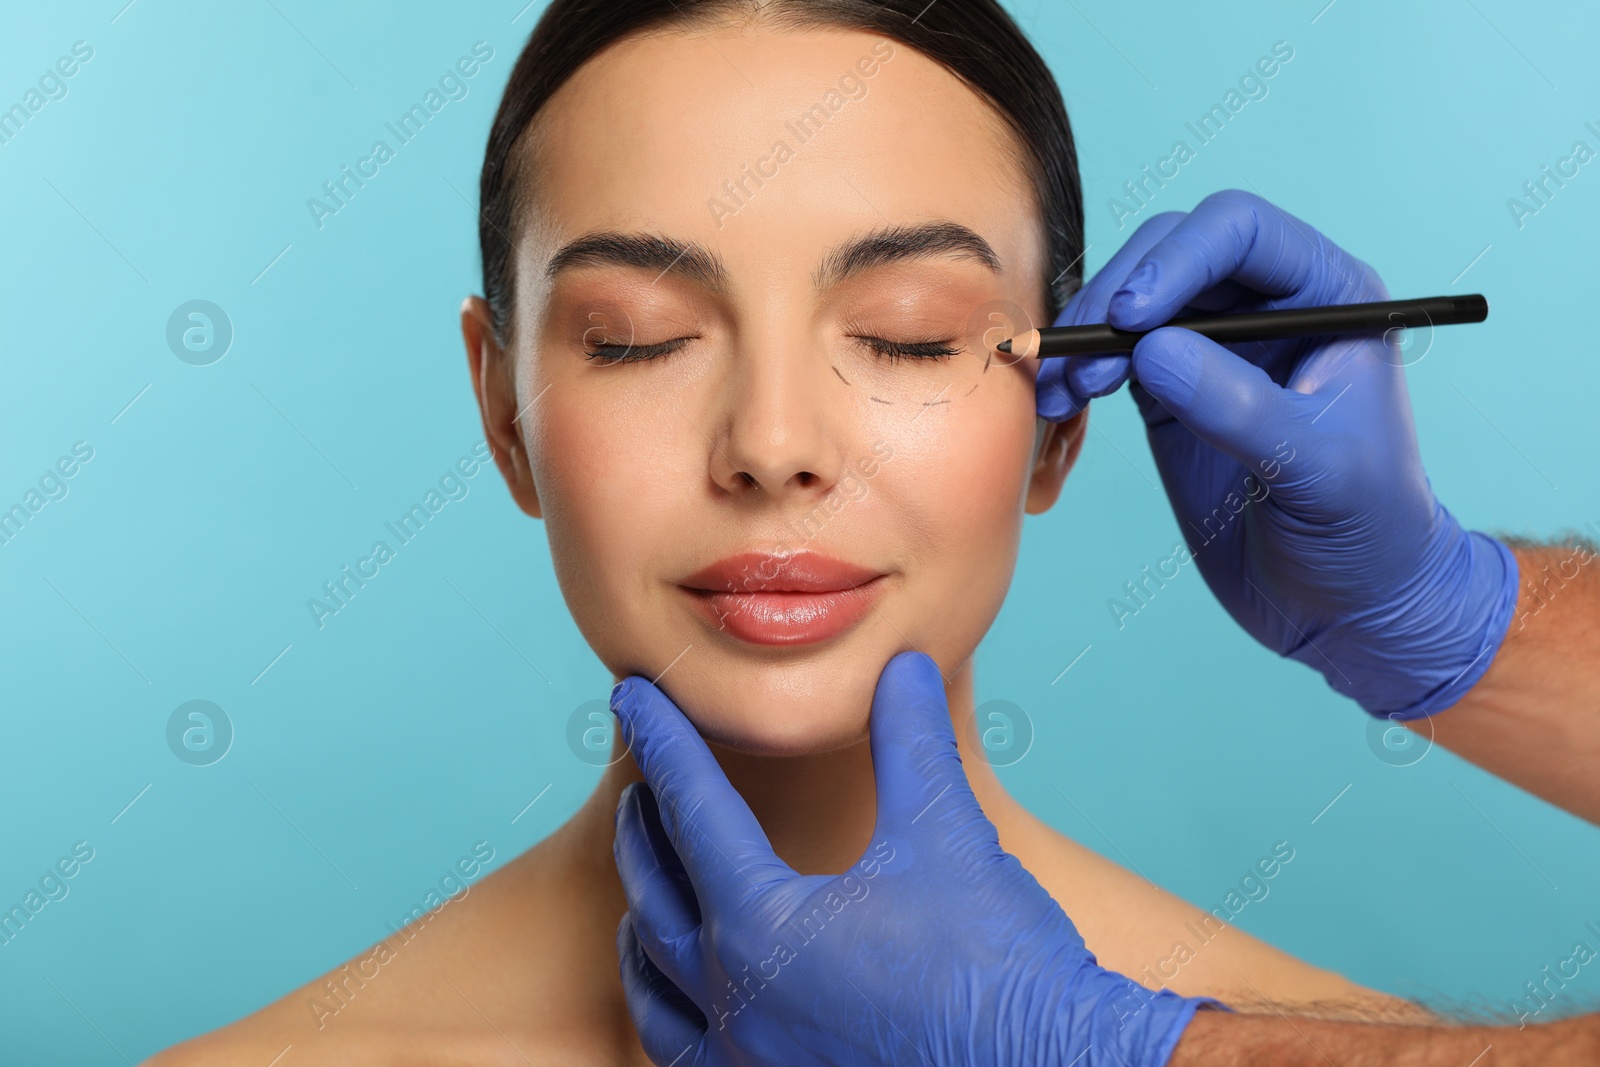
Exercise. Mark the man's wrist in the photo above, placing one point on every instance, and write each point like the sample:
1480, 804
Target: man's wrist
1530, 718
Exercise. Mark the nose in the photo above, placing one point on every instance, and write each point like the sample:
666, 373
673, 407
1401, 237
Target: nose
776, 434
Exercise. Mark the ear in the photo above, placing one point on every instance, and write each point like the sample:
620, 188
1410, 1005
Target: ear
495, 387
1056, 452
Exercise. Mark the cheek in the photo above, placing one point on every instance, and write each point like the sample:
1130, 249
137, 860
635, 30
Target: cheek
961, 485
611, 488
987, 467
975, 460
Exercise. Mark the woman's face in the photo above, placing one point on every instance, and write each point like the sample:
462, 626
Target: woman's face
751, 493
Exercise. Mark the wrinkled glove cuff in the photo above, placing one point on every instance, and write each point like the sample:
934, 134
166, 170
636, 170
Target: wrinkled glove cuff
1503, 585
1180, 1022
1128, 1023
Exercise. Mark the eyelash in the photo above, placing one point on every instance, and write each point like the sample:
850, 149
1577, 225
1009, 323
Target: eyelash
893, 351
611, 353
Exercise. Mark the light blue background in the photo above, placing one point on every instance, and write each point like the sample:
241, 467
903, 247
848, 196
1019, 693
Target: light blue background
373, 753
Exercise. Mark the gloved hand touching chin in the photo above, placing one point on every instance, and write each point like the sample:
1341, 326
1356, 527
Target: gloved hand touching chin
1292, 466
936, 948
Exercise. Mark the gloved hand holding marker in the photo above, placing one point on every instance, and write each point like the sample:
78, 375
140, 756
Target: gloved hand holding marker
1344, 559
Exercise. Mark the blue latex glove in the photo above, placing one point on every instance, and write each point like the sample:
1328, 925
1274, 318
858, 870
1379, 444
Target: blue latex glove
1292, 466
936, 948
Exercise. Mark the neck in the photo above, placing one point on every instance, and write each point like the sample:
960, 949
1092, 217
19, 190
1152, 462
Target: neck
818, 810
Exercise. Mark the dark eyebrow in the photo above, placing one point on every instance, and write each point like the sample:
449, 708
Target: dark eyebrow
642, 250
885, 245
893, 243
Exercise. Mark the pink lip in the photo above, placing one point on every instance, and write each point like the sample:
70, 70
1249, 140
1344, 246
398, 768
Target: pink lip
790, 600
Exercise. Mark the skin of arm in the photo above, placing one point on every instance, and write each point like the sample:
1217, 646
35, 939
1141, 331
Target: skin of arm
1223, 1039
1534, 717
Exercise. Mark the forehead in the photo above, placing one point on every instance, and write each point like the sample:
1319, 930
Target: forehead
769, 145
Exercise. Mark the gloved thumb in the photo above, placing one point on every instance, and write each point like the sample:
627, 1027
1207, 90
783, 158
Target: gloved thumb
716, 836
1226, 401
922, 788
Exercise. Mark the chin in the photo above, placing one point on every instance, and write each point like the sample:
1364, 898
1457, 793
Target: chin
781, 704
779, 709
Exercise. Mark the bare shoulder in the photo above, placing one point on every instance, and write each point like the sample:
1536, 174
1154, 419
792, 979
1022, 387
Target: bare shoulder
1159, 939
499, 973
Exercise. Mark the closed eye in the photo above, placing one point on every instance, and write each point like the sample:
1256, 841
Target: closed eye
898, 350
629, 353
882, 347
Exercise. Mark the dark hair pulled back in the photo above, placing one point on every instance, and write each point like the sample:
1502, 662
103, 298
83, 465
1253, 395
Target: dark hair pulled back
976, 40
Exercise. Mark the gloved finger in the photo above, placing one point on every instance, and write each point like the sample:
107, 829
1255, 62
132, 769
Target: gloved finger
1223, 399
1155, 414
1238, 235
1072, 381
921, 786
1094, 376
722, 846
1054, 399
671, 1028
1150, 409
1089, 303
666, 916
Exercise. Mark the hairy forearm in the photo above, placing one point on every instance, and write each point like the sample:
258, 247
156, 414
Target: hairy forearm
1225, 1039
1534, 717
